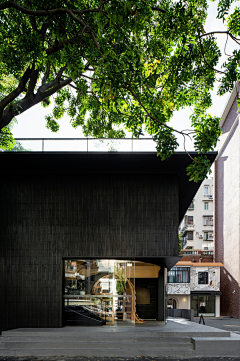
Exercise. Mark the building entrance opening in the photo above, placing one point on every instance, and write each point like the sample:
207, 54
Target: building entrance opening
99, 292
171, 303
109, 292
203, 305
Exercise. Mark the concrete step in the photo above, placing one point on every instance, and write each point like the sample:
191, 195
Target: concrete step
92, 345
114, 337
118, 331
109, 345
112, 351
213, 346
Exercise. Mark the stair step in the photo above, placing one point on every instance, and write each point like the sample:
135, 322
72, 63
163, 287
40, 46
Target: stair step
213, 346
100, 338
92, 345
100, 352
118, 332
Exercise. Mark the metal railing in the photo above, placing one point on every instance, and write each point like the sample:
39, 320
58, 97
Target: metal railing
85, 145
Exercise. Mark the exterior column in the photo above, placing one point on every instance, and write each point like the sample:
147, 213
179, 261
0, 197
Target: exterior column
217, 306
162, 281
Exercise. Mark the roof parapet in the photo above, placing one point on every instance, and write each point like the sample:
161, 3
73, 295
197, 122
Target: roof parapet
229, 103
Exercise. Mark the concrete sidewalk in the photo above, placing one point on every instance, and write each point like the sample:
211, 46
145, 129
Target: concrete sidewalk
178, 338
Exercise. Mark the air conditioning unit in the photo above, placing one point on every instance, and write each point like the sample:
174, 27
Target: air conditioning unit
200, 236
210, 235
210, 196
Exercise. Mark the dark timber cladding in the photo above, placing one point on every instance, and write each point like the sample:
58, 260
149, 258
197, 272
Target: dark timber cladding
91, 205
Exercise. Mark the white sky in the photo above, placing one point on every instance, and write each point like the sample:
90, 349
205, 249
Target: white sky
31, 124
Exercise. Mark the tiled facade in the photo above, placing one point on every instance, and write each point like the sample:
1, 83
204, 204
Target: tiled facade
227, 208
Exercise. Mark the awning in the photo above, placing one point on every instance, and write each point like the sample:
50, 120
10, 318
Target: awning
206, 293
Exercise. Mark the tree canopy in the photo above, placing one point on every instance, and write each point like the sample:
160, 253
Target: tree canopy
116, 65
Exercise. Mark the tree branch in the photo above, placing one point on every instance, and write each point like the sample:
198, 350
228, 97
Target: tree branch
32, 84
156, 8
14, 5
53, 89
22, 105
45, 77
45, 86
55, 48
148, 114
21, 87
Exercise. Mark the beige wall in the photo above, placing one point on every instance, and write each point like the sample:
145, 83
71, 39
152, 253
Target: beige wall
183, 301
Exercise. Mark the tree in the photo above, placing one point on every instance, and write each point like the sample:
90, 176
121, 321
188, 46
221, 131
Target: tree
113, 65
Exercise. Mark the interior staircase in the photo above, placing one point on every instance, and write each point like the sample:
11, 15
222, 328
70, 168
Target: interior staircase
83, 316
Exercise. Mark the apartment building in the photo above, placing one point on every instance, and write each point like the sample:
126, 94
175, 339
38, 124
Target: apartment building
196, 228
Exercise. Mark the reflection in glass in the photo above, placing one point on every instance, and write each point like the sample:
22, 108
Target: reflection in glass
99, 292
203, 305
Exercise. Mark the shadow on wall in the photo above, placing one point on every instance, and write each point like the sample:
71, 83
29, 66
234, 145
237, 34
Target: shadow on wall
229, 301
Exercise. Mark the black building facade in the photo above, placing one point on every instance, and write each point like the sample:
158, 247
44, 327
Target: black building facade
60, 206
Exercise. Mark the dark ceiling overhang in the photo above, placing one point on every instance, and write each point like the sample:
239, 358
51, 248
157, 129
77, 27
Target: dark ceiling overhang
167, 261
13, 163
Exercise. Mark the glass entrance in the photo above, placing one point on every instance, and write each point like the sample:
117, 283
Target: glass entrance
99, 292
203, 305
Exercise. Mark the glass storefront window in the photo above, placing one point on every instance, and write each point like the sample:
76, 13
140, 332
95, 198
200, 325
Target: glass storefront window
203, 305
99, 292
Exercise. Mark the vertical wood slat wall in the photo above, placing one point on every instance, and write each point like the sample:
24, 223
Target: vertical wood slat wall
48, 217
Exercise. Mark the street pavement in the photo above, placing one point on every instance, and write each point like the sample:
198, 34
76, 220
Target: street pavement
224, 323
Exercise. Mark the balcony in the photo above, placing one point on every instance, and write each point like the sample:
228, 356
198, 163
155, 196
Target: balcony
187, 227
208, 223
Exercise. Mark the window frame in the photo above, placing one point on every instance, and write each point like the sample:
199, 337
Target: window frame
190, 220
208, 220
207, 237
178, 275
204, 275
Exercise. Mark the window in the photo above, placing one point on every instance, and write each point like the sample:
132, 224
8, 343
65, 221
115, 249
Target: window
208, 220
206, 206
206, 190
205, 236
190, 235
202, 278
190, 220
179, 275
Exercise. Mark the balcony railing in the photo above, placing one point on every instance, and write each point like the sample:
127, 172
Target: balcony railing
208, 223
85, 145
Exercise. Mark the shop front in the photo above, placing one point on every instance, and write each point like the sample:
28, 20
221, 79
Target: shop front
109, 292
205, 303
89, 237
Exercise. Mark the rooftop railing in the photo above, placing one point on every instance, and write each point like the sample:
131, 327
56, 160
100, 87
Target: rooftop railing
84, 145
